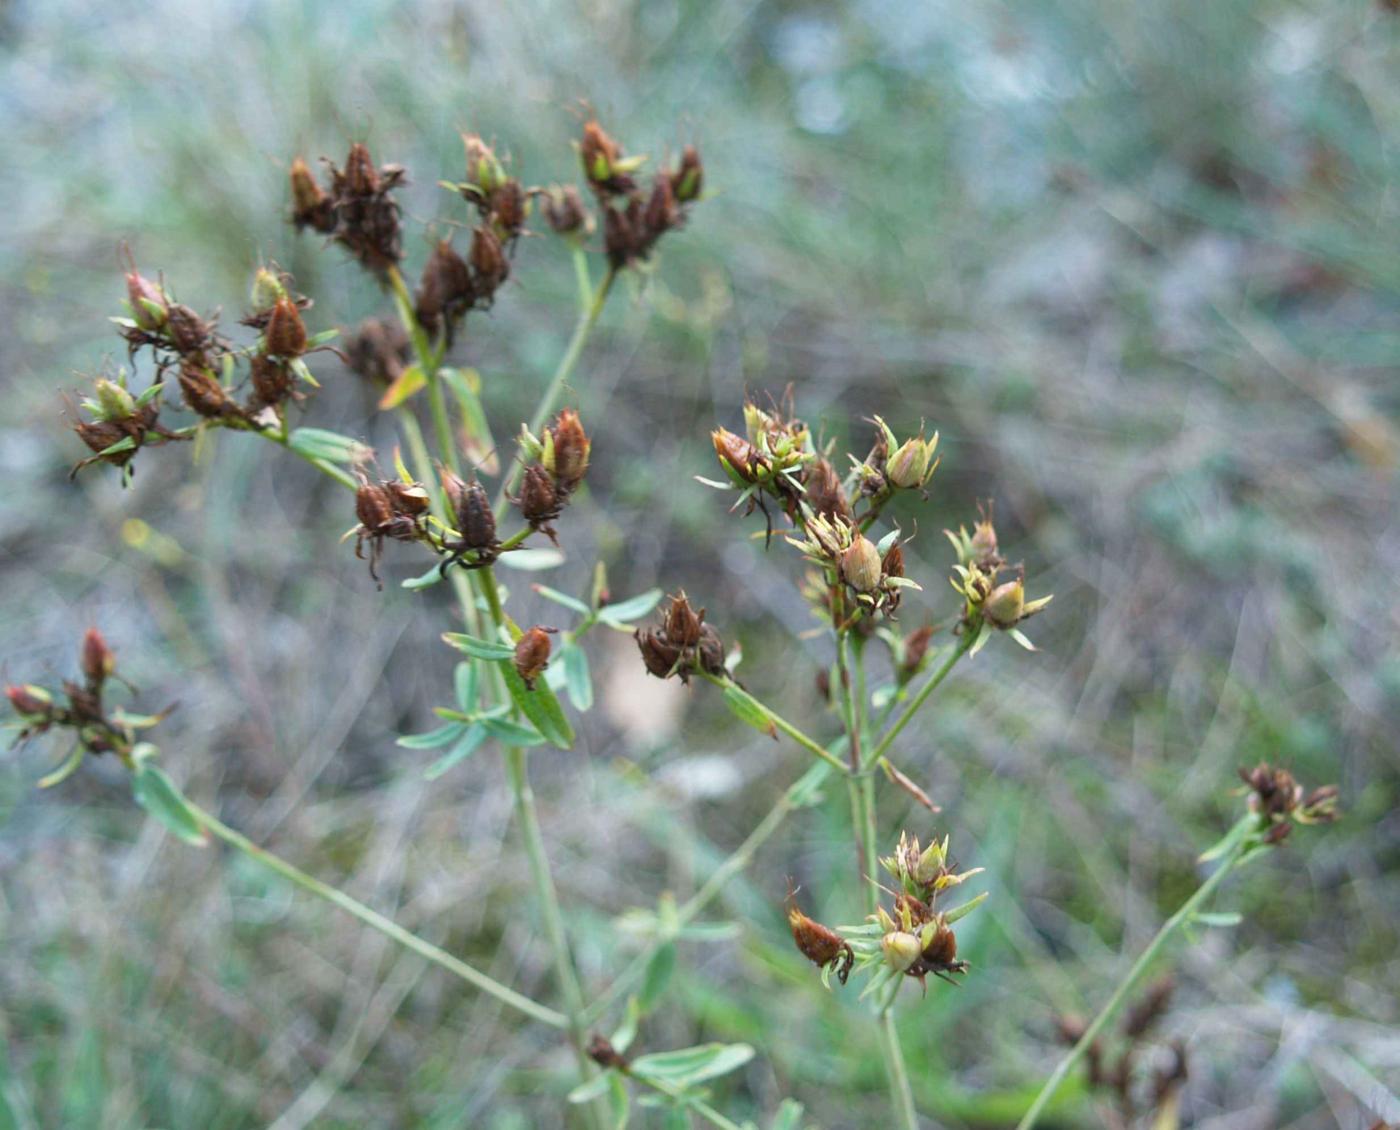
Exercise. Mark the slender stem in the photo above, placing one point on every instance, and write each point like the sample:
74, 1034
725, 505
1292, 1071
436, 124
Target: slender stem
699, 1106
330, 470
899, 1074
809, 744
587, 320
1183, 915
883, 745
377, 921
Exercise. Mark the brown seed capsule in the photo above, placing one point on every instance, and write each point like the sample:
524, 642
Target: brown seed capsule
623, 236
564, 211
860, 564
682, 626
361, 177
689, 178
942, 948
378, 349
599, 155
286, 333
408, 499
374, 506
97, 659
661, 213
490, 267
711, 651
658, 654
538, 500
893, 563
566, 458
445, 291
188, 334
824, 493
273, 381
100, 435
601, 1052
915, 648
532, 655
819, 944
203, 393
476, 522
507, 208
736, 453
311, 207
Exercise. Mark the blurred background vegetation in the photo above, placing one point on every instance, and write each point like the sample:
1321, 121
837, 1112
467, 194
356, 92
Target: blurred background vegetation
1136, 262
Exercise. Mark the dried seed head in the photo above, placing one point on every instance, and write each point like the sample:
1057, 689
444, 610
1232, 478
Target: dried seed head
408, 499
203, 392
860, 564
564, 211
1320, 806
661, 213
538, 501
311, 207
374, 506
97, 660
445, 291
566, 451
819, 944
188, 334
659, 655
711, 651
273, 381
824, 493
378, 349
599, 155
508, 207
688, 180
100, 435
893, 562
361, 177
915, 648
286, 333
147, 301
532, 654
942, 947
490, 267
984, 539
475, 520
682, 622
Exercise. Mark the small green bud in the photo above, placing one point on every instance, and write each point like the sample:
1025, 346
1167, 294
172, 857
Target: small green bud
901, 949
115, 402
267, 289
1006, 604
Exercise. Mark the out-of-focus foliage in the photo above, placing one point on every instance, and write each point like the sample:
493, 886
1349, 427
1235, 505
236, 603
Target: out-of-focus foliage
1136, 262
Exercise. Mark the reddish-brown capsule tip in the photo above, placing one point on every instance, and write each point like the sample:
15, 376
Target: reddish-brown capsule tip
736, 453
490, 267
893, 562
147, 301
311, 207
689, 178
26, 702
286, 332
532, 655
568, 459
374, 506
682, 622
661, 213
361, 177
598, 153
97, 659
819, 944
408, 499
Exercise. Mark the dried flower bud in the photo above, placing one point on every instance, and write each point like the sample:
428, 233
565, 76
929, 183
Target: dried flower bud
286, 332
532, 655
599, 155
1320, 806
682, 622
189, 334
661, 213
901, 949
508, 207
893, 562
941, 947
819, 944
860, 564
564, 211
409, 499
476, 521
915, 648
97, 660
203, 393
566, 451
658, 654
601, 1052
374, 506
147, 301
311, 207
378, 349
490, 267
30, 701
267, 289
688, 180
273, 381
984, 541
361, 177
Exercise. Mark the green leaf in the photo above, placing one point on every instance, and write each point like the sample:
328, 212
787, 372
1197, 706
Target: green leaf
594, 1088
432, 739
622, 1039
576, 677
478, 446
511, 733
633, 608
966, 908
66, 768
571, 602
479, 648
322, 338
158, 795
408, 382
1228, 841
689, 1066
540, 707
1219, 918
426, 580
789, 1116
532, 560
748, 709
464, 683
618, 1102
658, 977
471, 741
317, 443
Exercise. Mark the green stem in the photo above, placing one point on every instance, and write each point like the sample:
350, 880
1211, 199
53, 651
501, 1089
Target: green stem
330, 470
377, 921
588, 318
1120, 994
883, 745
899, 1074
699, 1106
809, 744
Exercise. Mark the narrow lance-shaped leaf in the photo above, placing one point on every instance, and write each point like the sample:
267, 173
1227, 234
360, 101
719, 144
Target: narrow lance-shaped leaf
159, 796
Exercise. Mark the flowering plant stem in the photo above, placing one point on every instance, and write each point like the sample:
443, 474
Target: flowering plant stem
377, 921
1243, 845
